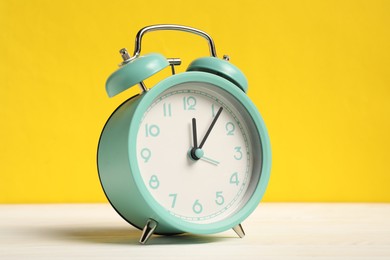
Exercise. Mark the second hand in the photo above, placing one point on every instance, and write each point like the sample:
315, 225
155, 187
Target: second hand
209, 160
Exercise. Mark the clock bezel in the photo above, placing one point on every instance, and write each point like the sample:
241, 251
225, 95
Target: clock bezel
159, 212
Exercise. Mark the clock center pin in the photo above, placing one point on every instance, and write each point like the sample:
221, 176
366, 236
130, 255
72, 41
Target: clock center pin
199, 153
195, 153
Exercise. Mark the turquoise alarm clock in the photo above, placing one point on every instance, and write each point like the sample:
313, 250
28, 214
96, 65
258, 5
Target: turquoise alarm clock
192, 153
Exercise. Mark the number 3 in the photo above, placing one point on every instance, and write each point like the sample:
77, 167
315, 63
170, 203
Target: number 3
238, 155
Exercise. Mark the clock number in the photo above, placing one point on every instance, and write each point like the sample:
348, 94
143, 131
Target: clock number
152, 130
238, 154
219, 198
197, 207
167, 110
174, 196
189, 103
154, 182
146, 154
234, 179
230, 127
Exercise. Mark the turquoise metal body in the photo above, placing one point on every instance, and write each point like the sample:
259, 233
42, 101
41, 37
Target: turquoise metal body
134, 72
118, 167
221, 68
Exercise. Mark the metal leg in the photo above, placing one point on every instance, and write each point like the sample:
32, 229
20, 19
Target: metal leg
148, 230
239, 230
143, 87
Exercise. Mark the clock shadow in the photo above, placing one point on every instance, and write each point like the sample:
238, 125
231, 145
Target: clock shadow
129, 236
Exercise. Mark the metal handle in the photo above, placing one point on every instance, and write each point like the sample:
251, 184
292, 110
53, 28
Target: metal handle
171, 27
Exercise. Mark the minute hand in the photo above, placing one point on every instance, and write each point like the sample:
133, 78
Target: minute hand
211, 127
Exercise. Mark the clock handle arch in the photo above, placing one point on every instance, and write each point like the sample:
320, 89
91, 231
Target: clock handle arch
169, 27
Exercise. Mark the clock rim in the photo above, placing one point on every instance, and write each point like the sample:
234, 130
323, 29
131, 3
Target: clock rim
160, 212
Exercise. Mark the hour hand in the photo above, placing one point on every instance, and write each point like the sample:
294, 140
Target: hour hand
194, 134
195, 152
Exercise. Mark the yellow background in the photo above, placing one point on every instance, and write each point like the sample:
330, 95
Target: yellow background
319, 72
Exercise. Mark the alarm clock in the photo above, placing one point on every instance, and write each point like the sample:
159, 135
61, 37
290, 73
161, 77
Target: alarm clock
188, 155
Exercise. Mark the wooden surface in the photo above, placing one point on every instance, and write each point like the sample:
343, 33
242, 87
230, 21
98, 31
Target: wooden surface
274, 231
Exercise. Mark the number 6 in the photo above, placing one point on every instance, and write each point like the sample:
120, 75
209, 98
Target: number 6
197, 207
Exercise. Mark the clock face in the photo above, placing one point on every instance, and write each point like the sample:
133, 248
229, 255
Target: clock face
198, 152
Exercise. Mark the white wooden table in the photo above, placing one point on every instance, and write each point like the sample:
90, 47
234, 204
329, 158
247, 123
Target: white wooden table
274, 231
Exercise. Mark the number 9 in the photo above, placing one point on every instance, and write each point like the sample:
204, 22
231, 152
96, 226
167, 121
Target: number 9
146, 154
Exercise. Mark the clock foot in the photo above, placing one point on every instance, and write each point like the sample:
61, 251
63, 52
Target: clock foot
143, 87
148, 230
239, 230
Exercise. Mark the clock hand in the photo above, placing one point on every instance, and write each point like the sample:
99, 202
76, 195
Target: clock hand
194, 136
193, 153
209, 160
211, 127
196, 152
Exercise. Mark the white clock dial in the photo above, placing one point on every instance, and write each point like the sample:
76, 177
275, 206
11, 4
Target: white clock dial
223, 174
